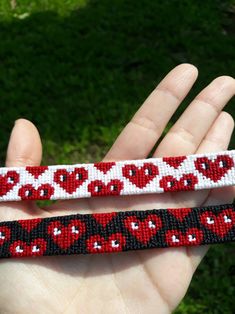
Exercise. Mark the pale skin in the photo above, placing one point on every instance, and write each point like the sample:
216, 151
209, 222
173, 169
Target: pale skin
150, 281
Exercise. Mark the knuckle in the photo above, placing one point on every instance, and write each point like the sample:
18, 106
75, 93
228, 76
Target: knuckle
22, 161
185, 135
168, 92
146, 123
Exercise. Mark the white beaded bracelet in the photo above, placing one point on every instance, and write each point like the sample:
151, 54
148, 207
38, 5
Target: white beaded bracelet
129, 177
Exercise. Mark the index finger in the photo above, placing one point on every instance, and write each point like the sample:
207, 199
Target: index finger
140, 135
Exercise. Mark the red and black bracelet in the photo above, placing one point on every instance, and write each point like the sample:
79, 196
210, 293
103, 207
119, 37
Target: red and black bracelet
117, 231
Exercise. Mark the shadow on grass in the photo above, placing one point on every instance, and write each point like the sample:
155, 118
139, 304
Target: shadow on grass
81, 75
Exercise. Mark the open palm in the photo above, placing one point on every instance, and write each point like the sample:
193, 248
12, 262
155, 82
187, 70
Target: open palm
149, 281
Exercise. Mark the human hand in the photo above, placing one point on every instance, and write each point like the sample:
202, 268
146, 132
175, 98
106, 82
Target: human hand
147, 281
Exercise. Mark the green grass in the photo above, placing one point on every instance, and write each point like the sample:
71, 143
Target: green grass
79, 69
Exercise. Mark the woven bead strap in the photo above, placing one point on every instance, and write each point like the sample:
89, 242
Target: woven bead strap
155, 175
115, 232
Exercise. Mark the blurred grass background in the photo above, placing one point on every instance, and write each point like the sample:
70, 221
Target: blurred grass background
79, 69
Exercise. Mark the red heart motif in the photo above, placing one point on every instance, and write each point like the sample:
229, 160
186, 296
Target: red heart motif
186, 183
5, 234
20, 248
181, 213
220, 224
70, 181
43, 192
97, 244
8, 181
29, 225
174, 162
104, 219
140, 176
99, 188
192, 236
104, 166
36, 171
143, 230
214, 170
65, 236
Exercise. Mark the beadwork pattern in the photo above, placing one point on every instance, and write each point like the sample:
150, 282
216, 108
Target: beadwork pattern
155, 175
117, 231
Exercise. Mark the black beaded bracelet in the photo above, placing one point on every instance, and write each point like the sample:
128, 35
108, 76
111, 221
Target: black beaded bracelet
117, 231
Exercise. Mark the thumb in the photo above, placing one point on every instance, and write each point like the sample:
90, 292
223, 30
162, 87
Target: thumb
25, 147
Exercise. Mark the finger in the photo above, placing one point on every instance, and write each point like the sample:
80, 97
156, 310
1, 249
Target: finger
187, 133
219, 135
217, 139
24, 148
141, 133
